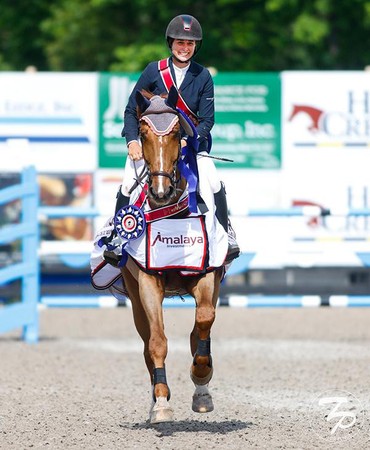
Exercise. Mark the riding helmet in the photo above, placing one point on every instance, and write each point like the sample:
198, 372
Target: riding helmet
184, 26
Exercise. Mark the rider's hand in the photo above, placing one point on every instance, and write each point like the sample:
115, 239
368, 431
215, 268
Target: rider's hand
183, 143
135, 151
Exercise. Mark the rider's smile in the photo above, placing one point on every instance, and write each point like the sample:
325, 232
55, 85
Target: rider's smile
183, 50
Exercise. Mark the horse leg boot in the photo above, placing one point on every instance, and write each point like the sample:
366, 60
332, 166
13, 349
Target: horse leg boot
202, 399
201, 370
121, 201
160, 410
222, 215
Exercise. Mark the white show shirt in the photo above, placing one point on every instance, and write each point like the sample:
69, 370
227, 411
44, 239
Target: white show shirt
180, 74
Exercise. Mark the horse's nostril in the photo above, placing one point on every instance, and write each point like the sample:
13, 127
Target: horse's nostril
170, 191
152, 193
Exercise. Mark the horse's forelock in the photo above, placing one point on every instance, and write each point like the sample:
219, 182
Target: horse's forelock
149, 95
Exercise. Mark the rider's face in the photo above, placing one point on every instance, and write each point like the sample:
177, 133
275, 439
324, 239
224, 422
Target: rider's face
183, 50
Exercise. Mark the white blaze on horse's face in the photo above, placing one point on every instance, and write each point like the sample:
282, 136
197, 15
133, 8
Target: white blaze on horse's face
161, 187
161, 154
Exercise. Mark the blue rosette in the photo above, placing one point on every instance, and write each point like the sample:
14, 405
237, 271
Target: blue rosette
129, 222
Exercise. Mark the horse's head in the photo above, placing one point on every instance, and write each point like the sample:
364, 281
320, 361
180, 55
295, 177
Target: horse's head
160, 137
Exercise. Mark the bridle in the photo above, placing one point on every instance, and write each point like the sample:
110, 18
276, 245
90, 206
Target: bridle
174, 176
174, 180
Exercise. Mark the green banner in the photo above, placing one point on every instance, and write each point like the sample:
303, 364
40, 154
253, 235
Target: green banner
247, 128
114, 90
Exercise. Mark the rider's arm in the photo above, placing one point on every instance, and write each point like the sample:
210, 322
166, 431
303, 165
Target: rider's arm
131, 123
206, 110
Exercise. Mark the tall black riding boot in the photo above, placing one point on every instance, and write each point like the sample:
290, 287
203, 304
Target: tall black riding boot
122, 200
222, 215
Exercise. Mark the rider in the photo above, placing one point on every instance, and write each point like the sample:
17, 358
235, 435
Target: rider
195, 85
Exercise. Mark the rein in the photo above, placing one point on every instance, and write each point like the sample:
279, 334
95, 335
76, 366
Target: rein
139, 178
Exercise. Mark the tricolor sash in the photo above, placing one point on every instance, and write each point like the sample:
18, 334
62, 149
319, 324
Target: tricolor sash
164, 70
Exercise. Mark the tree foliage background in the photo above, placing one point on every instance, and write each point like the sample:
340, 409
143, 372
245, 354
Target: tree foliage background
239, 35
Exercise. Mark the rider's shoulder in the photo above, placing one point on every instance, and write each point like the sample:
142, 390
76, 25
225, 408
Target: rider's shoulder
152, 66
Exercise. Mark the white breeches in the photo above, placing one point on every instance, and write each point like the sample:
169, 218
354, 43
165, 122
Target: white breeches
130, 175
207, 174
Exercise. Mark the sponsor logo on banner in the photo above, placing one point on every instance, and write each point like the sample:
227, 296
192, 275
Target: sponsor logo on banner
178, 241
177, 244
326, 140
48, 120
114, 91
349, 126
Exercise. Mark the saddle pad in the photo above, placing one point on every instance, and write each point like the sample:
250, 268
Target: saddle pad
177, 244
104, 276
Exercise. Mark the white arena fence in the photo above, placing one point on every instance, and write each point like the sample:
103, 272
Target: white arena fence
24, 313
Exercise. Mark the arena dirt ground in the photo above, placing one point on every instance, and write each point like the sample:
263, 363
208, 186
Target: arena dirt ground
85, 386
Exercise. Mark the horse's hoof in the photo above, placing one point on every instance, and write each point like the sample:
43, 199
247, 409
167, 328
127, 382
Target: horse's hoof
161, 412
201, 381
202, 400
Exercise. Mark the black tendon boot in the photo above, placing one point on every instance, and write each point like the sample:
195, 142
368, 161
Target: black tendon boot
223, 217
121, 201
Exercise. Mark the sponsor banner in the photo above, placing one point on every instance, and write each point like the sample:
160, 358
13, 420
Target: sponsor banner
177, 244
326, 138
247, 127
48, 120
114, 90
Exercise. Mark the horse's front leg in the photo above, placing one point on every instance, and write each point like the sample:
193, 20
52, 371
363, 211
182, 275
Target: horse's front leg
151, 290
205, 291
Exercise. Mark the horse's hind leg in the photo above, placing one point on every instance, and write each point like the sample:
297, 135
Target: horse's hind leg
205, 291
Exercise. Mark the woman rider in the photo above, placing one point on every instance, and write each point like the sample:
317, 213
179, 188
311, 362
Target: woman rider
195, 85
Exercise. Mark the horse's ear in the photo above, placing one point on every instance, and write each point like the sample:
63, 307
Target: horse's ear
142, 102
172, 98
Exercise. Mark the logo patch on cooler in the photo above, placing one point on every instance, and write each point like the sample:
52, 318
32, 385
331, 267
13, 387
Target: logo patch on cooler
178, 241
177, 244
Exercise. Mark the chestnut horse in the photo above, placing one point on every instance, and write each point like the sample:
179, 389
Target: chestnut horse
146, 291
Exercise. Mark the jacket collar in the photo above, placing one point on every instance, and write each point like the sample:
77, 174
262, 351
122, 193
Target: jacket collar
192, 72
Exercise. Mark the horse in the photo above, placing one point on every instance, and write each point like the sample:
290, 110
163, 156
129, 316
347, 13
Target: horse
146, 290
